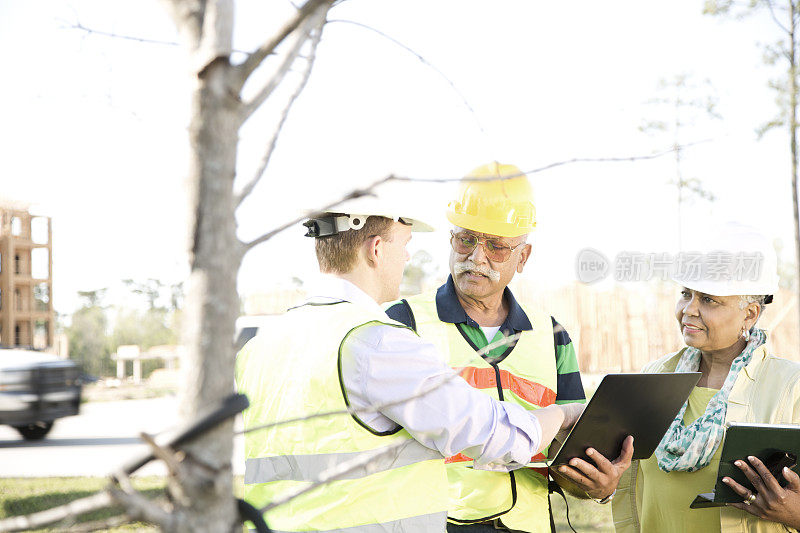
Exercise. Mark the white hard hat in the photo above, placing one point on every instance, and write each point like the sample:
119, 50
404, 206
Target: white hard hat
353, 214
734, 259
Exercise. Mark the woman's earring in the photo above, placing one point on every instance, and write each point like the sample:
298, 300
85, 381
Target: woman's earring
745, 333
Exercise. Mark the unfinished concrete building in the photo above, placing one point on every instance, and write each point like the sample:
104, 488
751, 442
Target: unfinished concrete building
26, 278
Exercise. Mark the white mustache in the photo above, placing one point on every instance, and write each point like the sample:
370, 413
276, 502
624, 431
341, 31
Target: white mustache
469, 266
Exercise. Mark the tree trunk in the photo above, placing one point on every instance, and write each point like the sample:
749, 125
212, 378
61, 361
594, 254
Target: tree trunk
212, 302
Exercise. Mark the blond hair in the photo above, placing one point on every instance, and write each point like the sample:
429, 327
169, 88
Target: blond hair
338, 253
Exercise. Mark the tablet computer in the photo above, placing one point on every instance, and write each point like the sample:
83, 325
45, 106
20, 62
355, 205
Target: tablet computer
776, 445
642, 405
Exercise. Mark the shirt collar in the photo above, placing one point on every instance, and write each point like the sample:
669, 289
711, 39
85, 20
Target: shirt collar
330, 288
449, 309
759, 355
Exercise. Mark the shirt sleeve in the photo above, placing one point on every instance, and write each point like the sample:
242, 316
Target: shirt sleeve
383, 364
570, 386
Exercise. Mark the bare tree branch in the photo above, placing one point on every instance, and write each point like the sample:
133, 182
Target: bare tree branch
137, 507
284, 115
72, 509
255, 58
357, 193
309, 25
112, 35
97, 525
423, 60
337, 472
176, 473
775, 19
90, 31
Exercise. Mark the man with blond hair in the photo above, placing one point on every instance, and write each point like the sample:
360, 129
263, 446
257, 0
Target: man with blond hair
339, 352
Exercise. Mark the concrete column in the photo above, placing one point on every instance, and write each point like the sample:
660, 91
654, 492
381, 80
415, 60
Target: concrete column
137, 371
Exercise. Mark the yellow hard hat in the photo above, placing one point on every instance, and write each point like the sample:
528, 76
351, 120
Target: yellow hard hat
502, 207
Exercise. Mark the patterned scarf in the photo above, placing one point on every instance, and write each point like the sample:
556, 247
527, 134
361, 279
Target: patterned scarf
690, 448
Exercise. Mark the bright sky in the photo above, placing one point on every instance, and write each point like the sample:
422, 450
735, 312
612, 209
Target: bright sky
94, 127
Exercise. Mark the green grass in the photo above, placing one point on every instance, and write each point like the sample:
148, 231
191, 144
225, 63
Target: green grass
22, 496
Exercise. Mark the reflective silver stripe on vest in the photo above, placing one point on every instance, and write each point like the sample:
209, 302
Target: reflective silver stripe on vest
309, 467
429, 523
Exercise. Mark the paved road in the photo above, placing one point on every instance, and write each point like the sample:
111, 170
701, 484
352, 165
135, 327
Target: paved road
95, 442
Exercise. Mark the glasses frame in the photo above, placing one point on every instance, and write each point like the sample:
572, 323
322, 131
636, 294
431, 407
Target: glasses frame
482, 242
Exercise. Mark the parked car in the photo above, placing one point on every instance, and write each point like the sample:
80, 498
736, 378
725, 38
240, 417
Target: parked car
36, 389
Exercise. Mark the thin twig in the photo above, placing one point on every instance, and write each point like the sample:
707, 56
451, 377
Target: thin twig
137, 507
165, 453
356, 193
775, 19
254, 59
172, 459
337, 472
97, 525
505, 341
90, 31
308, 27
423, 60
365, 191
81, 27
627, 159
284, 115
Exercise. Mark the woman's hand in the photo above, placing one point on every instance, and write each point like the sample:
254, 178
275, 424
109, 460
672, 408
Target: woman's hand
770, 501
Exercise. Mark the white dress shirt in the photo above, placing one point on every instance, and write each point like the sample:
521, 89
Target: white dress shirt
383, 364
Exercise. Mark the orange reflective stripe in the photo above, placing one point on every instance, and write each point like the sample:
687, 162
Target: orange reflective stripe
530, 391
460, 458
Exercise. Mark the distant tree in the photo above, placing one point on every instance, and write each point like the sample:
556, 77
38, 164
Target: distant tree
88, 341
784, 14
150, 290
93, 298
144, 328
685, 103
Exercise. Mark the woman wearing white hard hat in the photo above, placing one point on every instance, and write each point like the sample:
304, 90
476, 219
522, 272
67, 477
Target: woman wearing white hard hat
721, 300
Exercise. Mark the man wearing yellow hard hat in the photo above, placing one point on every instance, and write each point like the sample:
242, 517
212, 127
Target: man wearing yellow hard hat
401, 409
492, 216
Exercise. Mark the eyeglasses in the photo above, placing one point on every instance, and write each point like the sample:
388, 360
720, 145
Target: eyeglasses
496, 250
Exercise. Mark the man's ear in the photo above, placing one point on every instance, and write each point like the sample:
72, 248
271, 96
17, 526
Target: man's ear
373, 250
523, 257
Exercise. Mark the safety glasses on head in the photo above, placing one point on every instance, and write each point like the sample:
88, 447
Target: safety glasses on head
496, 250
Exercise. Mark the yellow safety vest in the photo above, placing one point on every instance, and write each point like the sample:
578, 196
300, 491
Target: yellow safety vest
291, 370
527, 377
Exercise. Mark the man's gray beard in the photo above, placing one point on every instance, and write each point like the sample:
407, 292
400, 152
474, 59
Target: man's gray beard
469, 266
